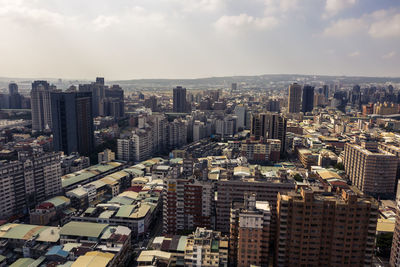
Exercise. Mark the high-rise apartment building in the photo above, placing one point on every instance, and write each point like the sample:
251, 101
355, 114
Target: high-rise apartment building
72, 122
125, 149
325, 229
41, 106
240, 113
234, 188
151, 103
371, 170
261, 150
31, 179
395, 251
179, 99
226, 126
188, 203
307, 98
177, 134
294, 103
269, 126
249, 232
206, 248
142, 144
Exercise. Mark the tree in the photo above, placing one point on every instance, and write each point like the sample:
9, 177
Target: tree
298, 177
339, 166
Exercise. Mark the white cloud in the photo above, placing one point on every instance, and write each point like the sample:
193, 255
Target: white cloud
24, 15
385, 26
279, 7
199, 5
332, 7
345, 27
102, 22
354, 54
245, 22
379, 24
389, 55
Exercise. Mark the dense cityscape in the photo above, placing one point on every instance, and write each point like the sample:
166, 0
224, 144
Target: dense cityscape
290, 170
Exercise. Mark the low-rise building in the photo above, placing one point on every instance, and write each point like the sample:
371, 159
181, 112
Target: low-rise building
206, 248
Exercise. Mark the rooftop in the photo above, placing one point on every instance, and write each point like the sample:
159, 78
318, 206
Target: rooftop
27, 231
86, 229
93, 259
85, 174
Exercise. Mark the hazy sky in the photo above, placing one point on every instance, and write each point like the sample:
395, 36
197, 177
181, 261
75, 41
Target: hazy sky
123, 39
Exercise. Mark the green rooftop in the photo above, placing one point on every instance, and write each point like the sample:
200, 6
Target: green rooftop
28, 262
26, 231
58, 201
86, 229
23, 262
125, 211
182, 244
85, 174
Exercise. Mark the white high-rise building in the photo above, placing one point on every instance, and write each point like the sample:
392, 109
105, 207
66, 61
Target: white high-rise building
240, 112
199, 131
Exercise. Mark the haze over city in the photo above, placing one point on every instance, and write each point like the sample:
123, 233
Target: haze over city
198, 38
200, 133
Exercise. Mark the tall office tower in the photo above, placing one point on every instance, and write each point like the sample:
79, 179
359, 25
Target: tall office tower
240, 113
113, 103
233, 87
98, 90
41, 106
395, 250
325, 91
371, 170
206, 248
250, 231
230, 189
308, 98
187, 203
31, 179
72, 122
325, 229
14, 96
273, 105
294, 98
100, 80
269, 126
12, 89
355, 96
179, 99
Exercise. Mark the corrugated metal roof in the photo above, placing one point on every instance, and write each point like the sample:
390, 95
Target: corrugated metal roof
93, 259
86, 229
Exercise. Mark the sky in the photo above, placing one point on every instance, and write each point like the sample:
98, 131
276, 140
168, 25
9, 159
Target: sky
135, 39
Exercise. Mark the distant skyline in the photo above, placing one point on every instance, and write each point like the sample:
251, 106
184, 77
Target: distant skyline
142, 39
